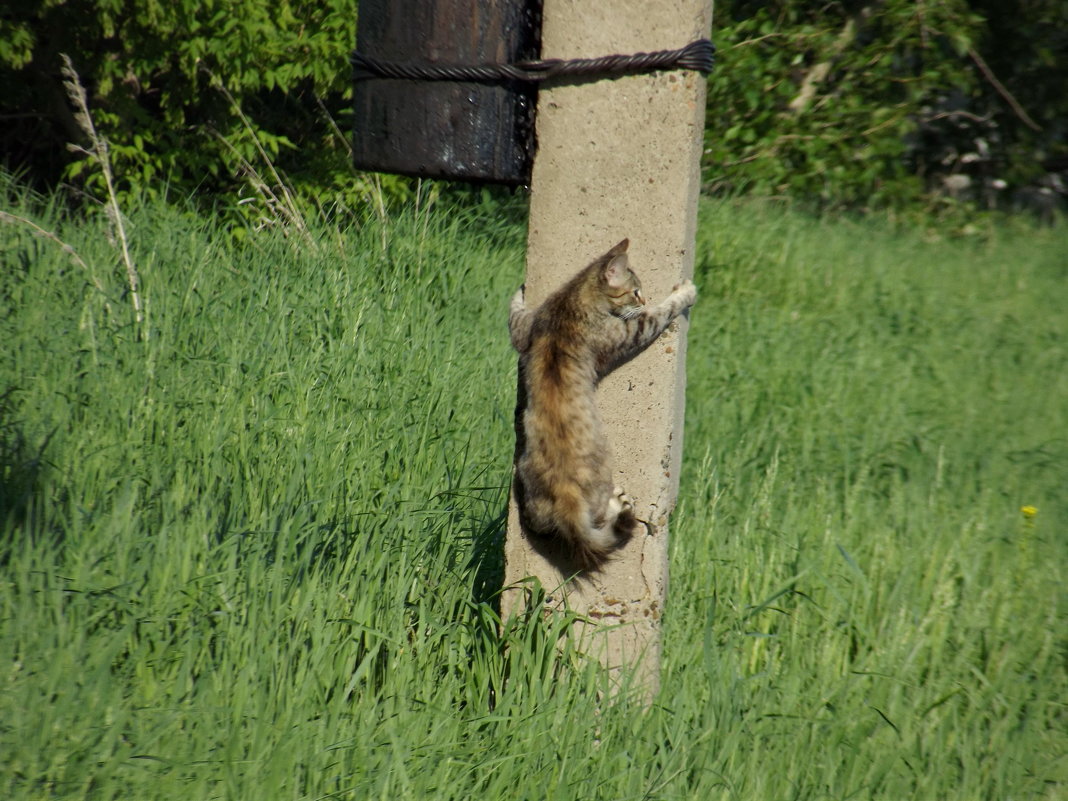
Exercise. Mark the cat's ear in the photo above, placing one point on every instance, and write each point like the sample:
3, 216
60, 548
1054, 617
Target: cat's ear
616, 270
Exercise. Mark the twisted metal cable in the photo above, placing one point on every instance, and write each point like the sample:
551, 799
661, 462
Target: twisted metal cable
698, 55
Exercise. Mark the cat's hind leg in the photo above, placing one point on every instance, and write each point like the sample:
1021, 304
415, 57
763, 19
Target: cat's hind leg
619, 502
620, 522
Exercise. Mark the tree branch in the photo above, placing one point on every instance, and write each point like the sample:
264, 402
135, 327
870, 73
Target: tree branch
1001, 90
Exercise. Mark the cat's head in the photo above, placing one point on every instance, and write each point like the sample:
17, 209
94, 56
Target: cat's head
619, 285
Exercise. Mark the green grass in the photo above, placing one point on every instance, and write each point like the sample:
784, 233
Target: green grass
255, 556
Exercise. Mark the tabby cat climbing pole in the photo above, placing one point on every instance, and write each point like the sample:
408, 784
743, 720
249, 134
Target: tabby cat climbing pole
619, 158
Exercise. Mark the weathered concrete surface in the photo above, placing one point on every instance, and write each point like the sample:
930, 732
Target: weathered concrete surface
620, 158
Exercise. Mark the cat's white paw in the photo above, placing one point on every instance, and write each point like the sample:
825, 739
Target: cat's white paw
685, 292
518, 302
620, 501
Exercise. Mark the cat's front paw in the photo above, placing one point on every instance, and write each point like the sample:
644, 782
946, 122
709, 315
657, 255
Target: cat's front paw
685, 292
518, 299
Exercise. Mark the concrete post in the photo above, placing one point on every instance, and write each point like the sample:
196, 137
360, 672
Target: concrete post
620, 158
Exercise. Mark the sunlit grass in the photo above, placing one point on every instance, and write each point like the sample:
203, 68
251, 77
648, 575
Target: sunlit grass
254, 555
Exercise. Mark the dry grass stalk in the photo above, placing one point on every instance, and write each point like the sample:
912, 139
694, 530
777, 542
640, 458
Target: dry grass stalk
99, 153
278, 198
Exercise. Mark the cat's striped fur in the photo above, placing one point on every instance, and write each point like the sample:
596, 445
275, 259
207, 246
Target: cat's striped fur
563, 478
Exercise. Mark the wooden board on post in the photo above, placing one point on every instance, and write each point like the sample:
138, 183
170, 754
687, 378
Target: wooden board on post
466, 130
620, 158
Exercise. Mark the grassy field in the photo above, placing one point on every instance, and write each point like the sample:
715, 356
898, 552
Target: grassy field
250, 550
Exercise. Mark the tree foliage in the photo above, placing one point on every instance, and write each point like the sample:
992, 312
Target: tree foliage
189, 94
845, 103
886, 103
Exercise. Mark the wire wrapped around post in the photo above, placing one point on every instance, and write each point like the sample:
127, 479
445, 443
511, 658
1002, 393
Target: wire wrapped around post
698, 55
448, 88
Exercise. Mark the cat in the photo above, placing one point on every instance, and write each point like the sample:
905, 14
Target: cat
592, 324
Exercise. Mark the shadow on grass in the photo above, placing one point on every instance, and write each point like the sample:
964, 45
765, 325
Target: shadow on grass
21, 466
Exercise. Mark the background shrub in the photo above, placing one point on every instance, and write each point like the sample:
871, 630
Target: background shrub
189, 95
847, 104
889, 104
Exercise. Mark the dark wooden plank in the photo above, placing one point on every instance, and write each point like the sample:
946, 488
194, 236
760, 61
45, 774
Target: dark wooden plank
447, 129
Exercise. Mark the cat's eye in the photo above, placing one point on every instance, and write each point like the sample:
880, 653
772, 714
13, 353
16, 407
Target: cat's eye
638, 296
